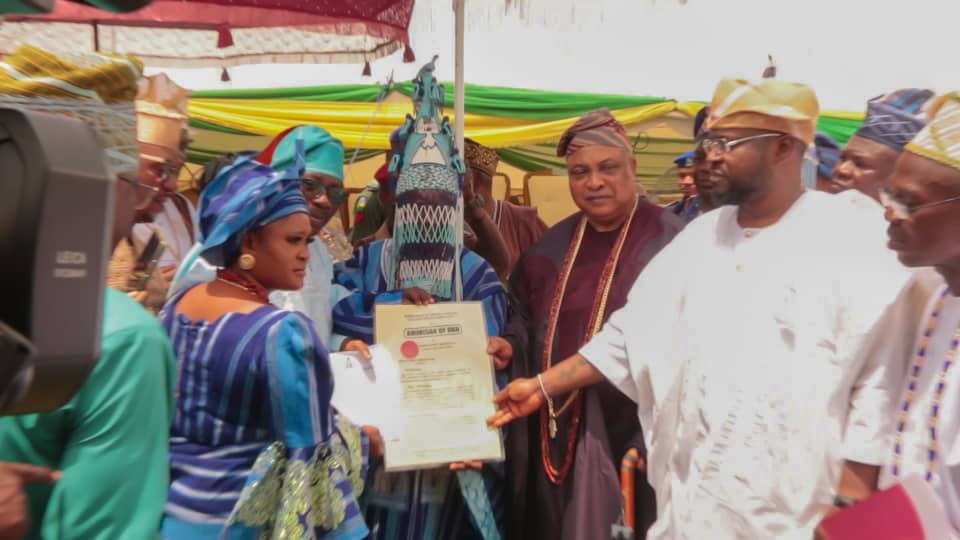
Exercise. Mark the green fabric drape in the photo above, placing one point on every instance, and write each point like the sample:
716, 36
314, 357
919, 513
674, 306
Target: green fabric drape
489, 100
841, 129
334, 92
537, 104
216, 127
503, 102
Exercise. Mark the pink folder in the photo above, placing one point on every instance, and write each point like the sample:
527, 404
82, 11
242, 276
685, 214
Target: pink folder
910, 510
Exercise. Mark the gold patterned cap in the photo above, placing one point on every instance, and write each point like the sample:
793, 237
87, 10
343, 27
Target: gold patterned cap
940, 139
161, 118
159, 132
98, 89
769, 105
159, 89
480, 157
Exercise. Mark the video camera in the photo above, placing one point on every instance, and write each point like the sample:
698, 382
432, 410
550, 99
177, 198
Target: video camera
56, 219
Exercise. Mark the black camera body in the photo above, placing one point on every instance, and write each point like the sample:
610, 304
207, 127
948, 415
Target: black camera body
56, 219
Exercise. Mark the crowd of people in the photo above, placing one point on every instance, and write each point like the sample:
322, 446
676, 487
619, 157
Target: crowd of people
772, 348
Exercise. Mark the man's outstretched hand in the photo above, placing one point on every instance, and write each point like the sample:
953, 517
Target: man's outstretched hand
519, 399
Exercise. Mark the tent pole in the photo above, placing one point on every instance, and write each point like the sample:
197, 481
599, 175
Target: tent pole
458, 109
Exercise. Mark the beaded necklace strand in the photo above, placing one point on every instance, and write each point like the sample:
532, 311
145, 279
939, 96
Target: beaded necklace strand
914, 376
236, 280
548, 417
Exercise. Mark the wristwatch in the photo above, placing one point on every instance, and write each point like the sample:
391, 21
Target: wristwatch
841, 501
477, 203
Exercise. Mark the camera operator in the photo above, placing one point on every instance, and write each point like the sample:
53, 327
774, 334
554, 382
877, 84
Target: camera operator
111, 439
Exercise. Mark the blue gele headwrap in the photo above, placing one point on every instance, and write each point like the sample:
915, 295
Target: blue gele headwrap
244, 197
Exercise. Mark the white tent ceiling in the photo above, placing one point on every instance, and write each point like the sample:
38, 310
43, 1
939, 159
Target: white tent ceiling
848, 50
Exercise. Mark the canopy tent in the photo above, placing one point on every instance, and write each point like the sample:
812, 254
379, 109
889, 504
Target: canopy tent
46, 6
522, 124
197, 33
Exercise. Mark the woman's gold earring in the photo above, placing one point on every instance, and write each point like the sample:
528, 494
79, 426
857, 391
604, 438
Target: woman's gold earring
247, 261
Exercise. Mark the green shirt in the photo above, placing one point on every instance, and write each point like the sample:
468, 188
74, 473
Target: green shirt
111, 440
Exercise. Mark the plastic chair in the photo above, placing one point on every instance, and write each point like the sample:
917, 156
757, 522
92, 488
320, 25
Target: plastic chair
549, 192
501, 186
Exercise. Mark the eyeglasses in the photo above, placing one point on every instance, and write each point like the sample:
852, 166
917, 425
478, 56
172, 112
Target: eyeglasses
315, 189
131, 180
720, 145
902, 211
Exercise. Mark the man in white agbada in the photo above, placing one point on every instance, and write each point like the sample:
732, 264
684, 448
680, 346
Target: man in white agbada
765, 374
162, 134
923, 208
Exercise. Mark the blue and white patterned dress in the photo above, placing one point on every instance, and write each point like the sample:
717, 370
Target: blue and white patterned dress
255, 447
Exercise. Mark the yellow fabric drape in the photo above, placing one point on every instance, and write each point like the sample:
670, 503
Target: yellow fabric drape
348, 121
690, 108
843, 115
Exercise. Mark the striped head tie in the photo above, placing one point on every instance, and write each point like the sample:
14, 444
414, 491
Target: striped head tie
596, 128
894, 119
940, 139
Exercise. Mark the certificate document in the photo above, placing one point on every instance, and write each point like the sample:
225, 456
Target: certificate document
447, 384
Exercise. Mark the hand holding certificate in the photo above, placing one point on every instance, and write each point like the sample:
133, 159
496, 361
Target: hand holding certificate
446, 381
367, 391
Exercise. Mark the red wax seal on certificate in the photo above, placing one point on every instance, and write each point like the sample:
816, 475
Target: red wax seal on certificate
409, 349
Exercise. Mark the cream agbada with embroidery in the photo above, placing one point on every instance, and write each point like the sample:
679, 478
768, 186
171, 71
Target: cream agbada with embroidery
913, 457
760, 369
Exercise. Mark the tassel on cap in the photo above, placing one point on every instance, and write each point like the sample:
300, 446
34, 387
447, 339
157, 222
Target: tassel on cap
771, 71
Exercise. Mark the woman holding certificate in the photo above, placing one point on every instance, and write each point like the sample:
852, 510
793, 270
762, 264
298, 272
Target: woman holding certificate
255, 448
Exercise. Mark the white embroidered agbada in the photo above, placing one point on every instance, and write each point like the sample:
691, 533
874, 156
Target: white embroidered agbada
760, 360
916, 436
178, 235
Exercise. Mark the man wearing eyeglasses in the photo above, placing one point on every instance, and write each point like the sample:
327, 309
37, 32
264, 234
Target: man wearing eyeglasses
922, 206
162, 138
763, 373
322, 186
159, 133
